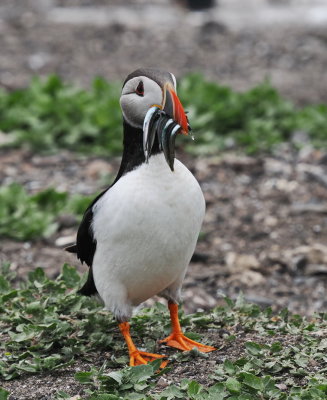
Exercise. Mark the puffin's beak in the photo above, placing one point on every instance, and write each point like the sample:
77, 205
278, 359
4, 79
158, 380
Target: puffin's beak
173, 107
165, 121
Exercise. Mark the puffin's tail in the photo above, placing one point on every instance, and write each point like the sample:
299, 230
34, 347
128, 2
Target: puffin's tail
72, 248
88, 289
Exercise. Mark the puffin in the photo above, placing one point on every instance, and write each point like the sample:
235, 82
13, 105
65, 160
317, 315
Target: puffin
138, 235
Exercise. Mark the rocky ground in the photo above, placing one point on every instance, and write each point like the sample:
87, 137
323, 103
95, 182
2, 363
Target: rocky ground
266, 223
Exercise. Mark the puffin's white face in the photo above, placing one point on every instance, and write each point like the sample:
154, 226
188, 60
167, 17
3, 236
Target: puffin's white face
138, 95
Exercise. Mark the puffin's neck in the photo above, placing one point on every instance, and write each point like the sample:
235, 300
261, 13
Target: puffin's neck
133, 154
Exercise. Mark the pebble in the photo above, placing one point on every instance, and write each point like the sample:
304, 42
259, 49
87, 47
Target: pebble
241, 262
97, 169
162, 382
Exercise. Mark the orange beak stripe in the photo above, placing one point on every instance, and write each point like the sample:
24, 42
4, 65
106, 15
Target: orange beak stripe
179, 113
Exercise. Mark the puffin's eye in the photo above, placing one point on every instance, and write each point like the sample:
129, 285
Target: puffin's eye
140, 89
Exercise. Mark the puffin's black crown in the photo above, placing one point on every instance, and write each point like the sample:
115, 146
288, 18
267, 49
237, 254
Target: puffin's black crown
157, 75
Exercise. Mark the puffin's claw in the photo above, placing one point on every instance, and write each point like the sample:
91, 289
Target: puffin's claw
138, 357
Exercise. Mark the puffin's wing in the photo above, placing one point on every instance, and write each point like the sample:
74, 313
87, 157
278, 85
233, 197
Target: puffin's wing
85, 246
85, 242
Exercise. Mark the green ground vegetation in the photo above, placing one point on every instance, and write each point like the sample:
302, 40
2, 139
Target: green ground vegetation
45, 325
49, 115
26, 217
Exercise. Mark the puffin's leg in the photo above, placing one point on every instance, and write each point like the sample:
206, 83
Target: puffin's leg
137, 357
177, 339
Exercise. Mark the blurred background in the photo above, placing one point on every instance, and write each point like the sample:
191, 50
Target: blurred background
253, 76
239, 43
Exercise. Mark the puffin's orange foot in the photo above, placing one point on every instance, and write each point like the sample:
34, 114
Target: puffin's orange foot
181, 342
138, 357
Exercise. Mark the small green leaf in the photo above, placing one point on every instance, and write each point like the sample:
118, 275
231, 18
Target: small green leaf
140, 373
23, 336
117, 376
84, 377
233, 385
217, 392
253, 348
104, 396
229, 367
193, 388
276, 347
70, 276
4, 284
253, 381
9, 296
193, 335
172, 392
37, 275
3, 394
62, 395
229, 302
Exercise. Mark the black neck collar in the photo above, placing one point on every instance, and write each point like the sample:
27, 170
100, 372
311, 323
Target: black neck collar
133, 154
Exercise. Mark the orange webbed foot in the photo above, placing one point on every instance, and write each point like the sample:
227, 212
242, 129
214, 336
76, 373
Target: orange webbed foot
182, 342
138, 357
177, 339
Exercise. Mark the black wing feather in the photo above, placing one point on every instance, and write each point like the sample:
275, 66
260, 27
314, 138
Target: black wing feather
85, 247
85, 242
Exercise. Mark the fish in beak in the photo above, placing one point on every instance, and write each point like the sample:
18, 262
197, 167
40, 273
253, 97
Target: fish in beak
165, 121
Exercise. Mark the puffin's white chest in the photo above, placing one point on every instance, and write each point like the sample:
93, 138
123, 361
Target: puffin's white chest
146, 227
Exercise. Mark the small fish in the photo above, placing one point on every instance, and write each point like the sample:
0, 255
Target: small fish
158, 123
150, 116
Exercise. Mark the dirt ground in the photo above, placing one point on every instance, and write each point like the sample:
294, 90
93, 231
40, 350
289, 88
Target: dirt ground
46, 385
266, 223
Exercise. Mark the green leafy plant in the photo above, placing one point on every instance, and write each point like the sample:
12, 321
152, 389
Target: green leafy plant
46, 325
24, 216
50, 114
256, 120
3, 394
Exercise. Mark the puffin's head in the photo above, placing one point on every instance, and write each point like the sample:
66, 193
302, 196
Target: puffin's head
147, 87
149, 102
